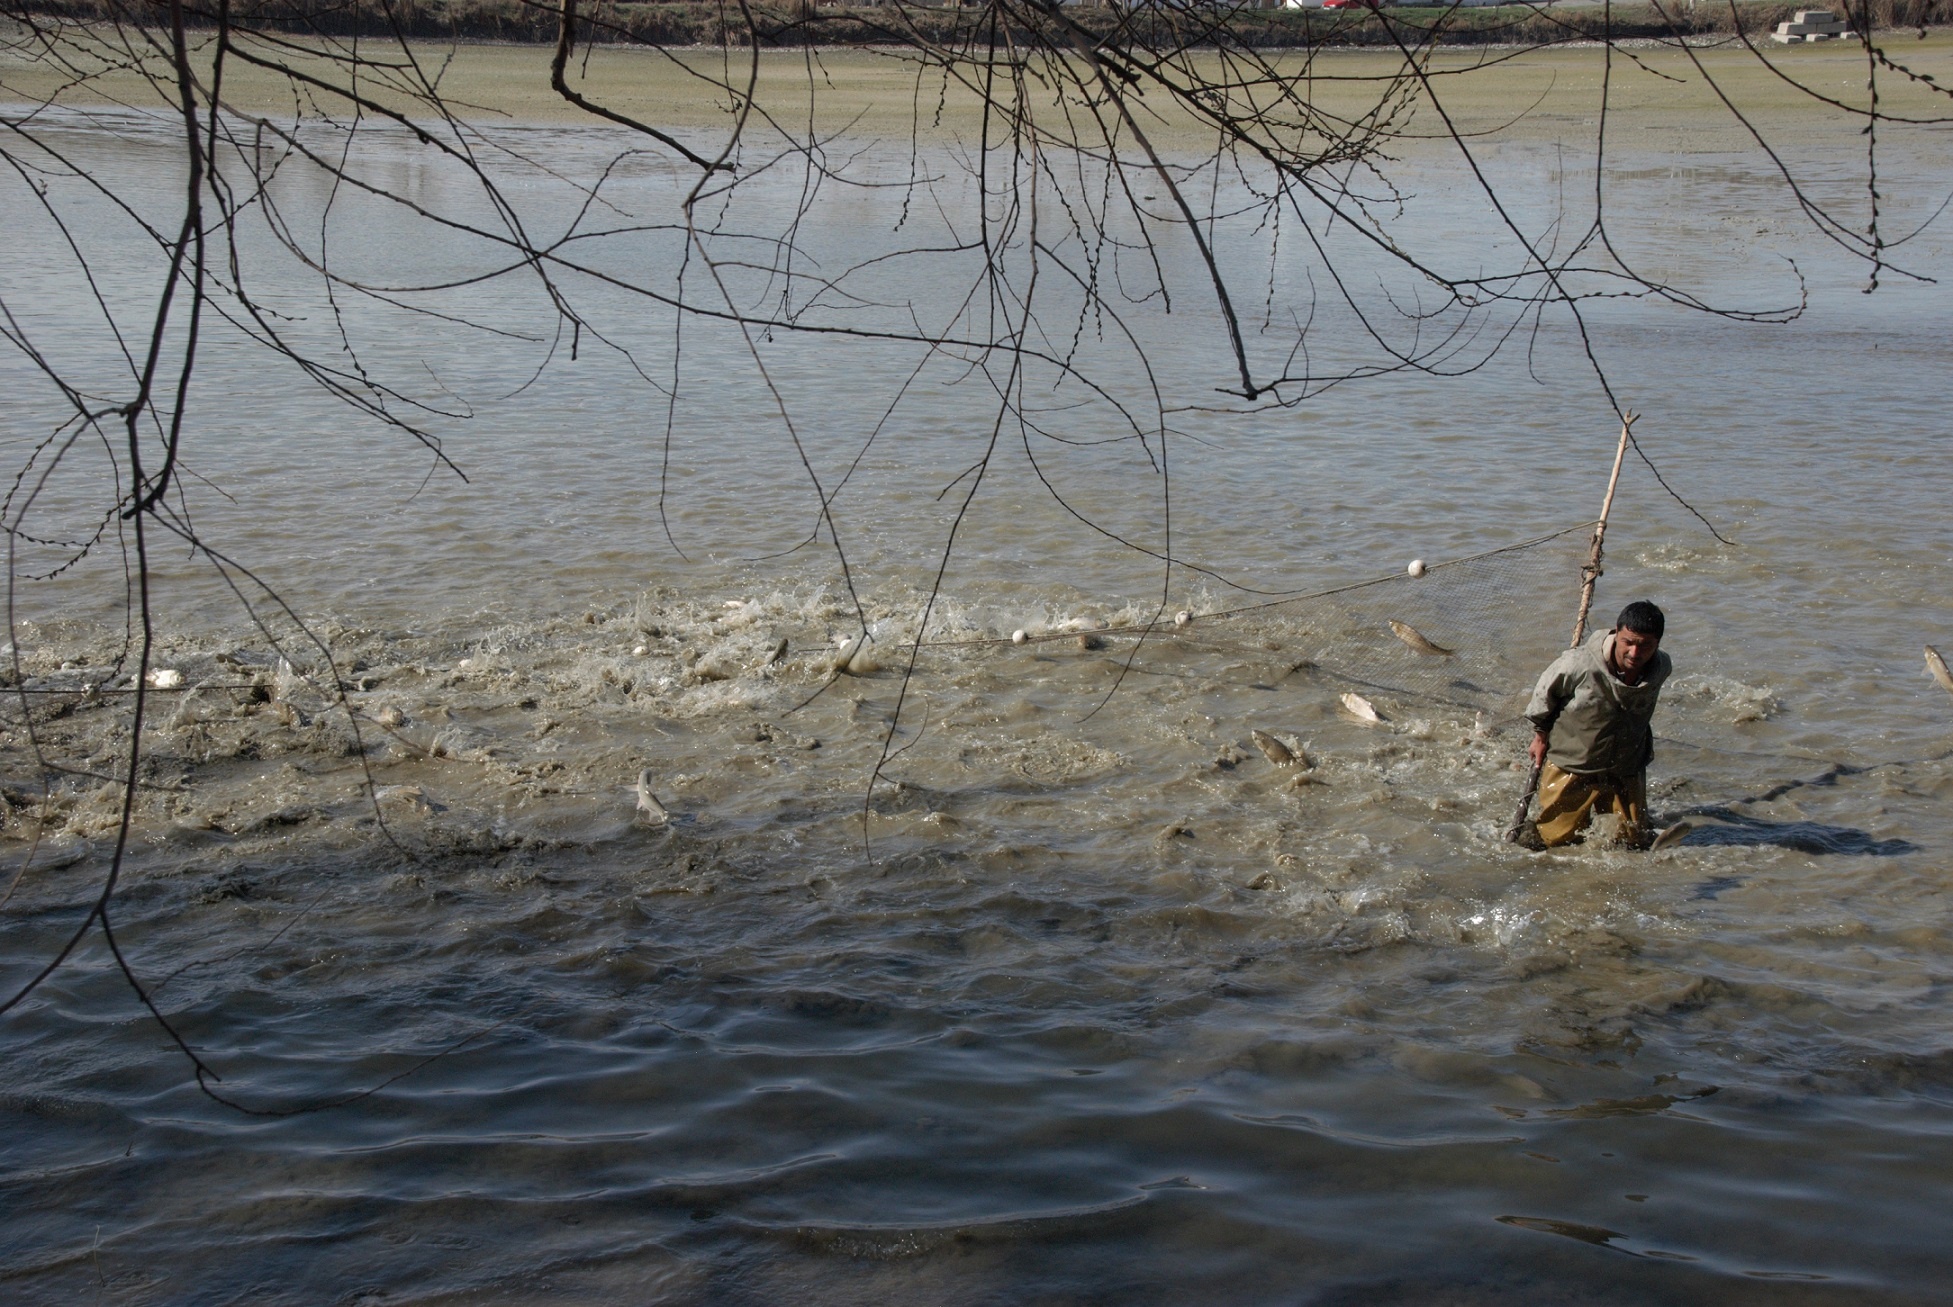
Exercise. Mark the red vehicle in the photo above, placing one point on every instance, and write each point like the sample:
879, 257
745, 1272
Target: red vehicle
1354, 4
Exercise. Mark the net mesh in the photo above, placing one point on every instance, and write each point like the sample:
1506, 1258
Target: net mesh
1500, 616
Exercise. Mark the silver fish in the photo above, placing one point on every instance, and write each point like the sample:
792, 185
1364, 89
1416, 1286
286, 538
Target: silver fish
1937, 666
648, 807
1273, 749
1415, 638
1673, 835
1360, 708
776, 653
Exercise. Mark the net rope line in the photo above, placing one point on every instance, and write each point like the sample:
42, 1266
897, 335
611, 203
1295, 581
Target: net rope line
1168, 627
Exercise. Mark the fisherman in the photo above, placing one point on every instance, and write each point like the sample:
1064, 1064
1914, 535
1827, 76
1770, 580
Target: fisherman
1591, 712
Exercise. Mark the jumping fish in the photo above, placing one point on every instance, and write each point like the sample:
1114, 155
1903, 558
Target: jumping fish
1360, 708
1937, 666
1415, 638
1673, 835
1273, 749
648, 807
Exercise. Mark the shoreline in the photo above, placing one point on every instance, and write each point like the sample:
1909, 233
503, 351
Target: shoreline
1509, 92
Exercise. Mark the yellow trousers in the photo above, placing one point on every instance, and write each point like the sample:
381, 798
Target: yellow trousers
1568, 802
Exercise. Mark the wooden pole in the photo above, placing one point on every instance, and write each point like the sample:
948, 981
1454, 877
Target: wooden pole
1591, 572
1589, 575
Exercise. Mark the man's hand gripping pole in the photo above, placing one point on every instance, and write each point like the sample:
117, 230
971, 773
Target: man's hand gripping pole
1518, 826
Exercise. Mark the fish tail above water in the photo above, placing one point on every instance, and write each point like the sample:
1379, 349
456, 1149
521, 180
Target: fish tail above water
653, 812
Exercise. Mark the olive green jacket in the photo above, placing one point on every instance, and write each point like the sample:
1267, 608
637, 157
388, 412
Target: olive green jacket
1595, 721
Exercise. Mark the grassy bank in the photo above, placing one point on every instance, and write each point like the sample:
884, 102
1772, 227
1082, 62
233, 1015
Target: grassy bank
1665, 98
798, 24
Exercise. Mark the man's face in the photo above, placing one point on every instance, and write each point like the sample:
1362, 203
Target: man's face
1634, 653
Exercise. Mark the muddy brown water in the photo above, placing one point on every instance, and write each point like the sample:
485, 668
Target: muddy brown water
1073, 1006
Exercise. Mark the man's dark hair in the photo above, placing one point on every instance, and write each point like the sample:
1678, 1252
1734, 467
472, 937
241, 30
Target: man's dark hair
1642, 618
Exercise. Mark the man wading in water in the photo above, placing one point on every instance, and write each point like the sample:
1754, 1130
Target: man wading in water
1592, 710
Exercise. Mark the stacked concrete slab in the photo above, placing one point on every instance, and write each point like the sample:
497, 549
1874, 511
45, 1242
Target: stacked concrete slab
1809, 25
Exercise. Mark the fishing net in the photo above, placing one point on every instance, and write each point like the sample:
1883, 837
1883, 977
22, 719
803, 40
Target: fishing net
1487, 623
